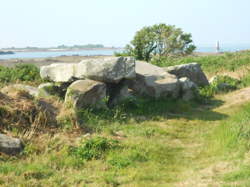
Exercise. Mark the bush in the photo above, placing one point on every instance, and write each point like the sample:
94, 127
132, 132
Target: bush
162, 40
23, 72
94, 148
26, 72
220, 84
5, 74
224, 84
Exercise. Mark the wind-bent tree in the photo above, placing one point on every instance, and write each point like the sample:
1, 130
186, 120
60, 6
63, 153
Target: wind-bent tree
162, 40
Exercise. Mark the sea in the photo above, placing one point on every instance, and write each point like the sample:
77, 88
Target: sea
107, 52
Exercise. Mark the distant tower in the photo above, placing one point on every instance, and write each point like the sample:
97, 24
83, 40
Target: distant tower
217, 47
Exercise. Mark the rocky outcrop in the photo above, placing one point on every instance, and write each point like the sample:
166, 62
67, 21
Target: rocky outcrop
85, 93
192, 71
188, 89
110, 70
9, 145
153, 81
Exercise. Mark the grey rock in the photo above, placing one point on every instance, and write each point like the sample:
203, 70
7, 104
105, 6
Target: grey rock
192, 71
225, 87
82, 94
9, 145
108, 69
188, 89
60, 72
30, 89
154, 81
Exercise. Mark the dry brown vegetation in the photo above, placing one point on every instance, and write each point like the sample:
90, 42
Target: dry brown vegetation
21, 113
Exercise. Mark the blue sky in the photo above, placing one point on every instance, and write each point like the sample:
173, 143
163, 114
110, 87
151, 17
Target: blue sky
114, 22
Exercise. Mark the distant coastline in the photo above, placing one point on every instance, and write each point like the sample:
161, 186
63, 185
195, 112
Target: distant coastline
56, 49
6, 52
59, 48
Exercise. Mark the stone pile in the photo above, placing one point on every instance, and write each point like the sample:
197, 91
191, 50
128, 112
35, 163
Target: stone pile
88, 83
105, 82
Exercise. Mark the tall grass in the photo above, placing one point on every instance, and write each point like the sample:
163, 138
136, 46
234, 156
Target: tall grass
210, 64
230, 141
234, 134
138, 110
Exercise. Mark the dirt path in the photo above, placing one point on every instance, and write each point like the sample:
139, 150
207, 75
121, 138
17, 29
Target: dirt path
202, 169
235, 98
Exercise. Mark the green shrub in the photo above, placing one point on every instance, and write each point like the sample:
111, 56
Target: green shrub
26, 72
221, 84
245, 81
124, 54
5, 74
22, 72
94, 148
231, 82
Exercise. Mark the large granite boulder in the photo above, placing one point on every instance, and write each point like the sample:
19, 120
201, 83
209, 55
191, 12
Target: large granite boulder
154, 81
189, 89
85, 93
192, 71
108, 69
60, 72
9, 145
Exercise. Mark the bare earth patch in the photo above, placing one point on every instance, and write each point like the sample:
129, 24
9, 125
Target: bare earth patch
235, 98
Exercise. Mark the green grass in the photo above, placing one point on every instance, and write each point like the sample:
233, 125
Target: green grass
135, 111
144, 142
171, 145
230, 142
234, 134
146, 147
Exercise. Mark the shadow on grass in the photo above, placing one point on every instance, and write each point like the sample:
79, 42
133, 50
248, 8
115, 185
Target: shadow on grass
144, 109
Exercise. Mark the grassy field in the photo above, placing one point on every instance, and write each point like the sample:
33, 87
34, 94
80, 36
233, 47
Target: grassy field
145, 143
181, 144
212, 64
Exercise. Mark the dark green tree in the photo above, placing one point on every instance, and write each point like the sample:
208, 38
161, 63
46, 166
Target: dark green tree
162, 40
